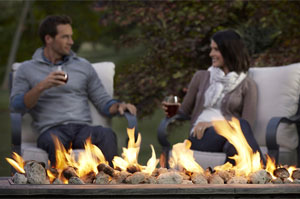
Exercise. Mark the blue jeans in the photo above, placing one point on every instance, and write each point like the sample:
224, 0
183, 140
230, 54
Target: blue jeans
75, 135
213, 142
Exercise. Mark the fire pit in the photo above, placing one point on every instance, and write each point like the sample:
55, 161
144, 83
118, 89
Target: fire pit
90, 174
149, 191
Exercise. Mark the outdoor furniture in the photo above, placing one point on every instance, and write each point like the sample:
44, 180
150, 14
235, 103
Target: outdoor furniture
277, 126
24, 137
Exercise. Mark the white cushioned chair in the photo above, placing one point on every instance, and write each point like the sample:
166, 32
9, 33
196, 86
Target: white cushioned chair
24, 137
277, 126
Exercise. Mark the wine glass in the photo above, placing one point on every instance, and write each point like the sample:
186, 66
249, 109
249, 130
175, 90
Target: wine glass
59, 68
172, 104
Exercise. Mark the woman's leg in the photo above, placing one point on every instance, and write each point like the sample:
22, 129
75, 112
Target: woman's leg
230, 150
211, 141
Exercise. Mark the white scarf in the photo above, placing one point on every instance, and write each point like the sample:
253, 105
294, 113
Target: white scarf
221, 84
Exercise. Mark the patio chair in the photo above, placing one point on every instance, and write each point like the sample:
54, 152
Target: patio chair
24, 137
277, 126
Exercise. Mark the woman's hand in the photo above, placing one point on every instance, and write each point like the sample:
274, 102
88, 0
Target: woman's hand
200, 128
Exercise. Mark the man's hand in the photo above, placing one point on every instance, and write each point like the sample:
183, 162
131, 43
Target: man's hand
56, 78
123, 107
200, 128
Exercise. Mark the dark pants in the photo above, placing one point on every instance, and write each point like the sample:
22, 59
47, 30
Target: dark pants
75, 135
213, 142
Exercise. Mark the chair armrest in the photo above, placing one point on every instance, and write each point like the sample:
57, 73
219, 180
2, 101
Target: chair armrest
132, 122
162, 133
162, 136
273, 147
16, 126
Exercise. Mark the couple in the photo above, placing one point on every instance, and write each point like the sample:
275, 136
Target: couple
38, 89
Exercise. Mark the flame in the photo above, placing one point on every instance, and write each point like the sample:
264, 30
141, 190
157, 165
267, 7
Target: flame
130, 155
17, 162
50, 175
152, 163
246, 161
183, 157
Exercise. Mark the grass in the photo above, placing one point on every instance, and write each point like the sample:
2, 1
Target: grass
147, 126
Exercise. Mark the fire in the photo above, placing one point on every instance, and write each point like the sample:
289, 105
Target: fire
183, 157
89, 159
130, 156
246, 161
17, 162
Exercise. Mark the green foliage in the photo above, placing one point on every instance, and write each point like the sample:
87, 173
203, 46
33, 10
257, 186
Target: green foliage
176, 35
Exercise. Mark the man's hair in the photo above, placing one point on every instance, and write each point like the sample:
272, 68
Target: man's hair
49, 24
234, 52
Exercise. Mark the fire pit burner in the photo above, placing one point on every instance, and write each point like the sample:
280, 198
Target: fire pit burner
8, 190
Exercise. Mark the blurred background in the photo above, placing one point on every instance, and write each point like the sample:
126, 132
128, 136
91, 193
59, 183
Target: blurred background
156, 46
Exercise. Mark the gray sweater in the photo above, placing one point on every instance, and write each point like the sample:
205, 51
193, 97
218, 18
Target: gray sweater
62, 104
240, 102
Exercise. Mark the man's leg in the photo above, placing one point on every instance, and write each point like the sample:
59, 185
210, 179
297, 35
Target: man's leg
45, 140
104, 138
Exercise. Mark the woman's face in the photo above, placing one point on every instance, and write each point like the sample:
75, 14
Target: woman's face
216, 56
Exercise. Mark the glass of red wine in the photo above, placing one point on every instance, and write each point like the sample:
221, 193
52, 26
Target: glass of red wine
59, 68
172, 104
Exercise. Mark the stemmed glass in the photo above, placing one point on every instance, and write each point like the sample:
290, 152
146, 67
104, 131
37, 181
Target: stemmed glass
171, 104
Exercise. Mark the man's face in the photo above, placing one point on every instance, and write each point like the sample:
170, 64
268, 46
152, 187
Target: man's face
61, 44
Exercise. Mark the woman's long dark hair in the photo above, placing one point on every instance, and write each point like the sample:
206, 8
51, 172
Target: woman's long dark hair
234, 52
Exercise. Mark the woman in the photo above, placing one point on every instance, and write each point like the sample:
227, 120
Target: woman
222, 91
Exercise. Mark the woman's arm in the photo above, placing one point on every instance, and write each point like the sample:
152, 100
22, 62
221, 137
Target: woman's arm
250, 103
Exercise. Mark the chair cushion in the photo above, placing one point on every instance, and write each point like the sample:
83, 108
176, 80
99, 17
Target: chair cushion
106, 73
278, 95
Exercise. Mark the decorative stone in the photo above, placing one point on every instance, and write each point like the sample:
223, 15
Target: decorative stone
187, 182
102, 178
89, 177
136, 178
106, 169
225, 175
169, 178
57, 181
75, 180
277, 181
121, 176
259, 177
237, 180
281, 173
69, 172
296, 174
151, 180
19, 178
199, 178
215, 179
35, 173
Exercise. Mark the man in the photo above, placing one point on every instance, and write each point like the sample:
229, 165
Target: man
58, 99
